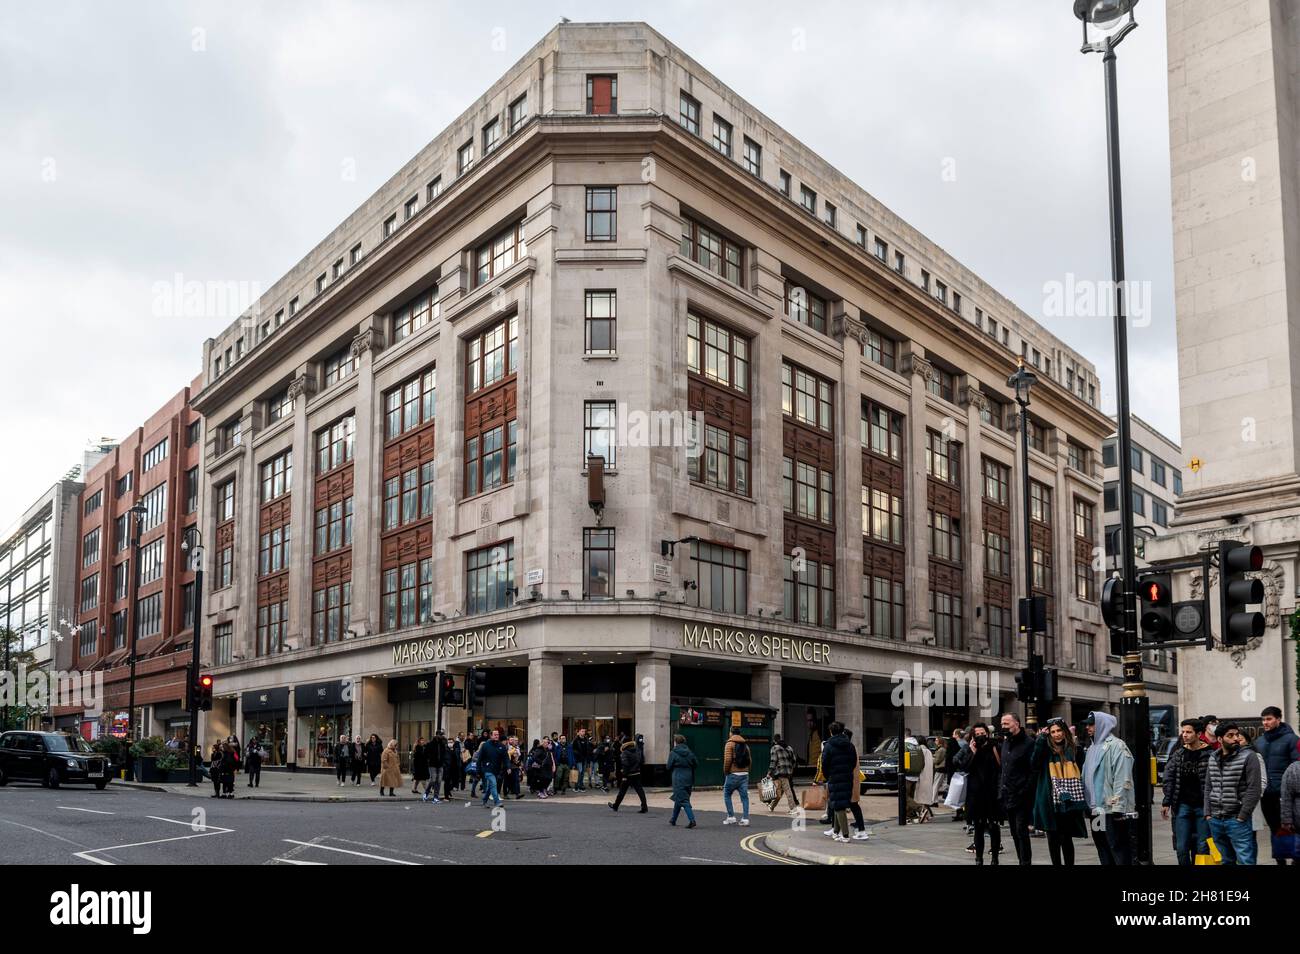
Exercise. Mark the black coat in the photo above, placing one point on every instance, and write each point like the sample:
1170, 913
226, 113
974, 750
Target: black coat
1016, 788
629, 760
983, 775
374, 755
438, 753
344, 752
420, 763
840, 769
582, 749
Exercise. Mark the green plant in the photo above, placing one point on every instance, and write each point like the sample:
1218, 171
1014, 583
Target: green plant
171, 762
107, 745
153, 745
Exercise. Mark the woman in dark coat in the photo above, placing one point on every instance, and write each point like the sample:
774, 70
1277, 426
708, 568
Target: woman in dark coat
453, 770
979, 761
229, 762
253, 762
682, 764
840, 769
1060, 806
374, 757
540, 769
358, 760
419, 766
214, 769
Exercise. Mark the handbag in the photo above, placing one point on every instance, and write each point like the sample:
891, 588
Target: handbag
573, 776
956, 791
767, 789
1067, 789
814, 798
1286, 846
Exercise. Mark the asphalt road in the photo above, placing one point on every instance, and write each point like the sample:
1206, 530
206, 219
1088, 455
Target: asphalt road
122, 826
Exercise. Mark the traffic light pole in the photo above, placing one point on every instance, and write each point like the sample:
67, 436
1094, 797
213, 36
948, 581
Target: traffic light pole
194, 667
1035, 662
1134, 727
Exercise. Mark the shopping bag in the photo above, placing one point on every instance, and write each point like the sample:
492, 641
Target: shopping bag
814, 798
767, 789
573, 776
956, 791
1212, 858
1286, 846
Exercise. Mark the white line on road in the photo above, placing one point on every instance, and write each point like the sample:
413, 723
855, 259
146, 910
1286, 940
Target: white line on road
45, 833
69, 808
360, 854
712, 861
295, 861
190, 824
86, 855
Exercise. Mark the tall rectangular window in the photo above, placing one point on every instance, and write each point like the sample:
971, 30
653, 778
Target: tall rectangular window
997, 482
192, 490
753, 158
411, 404
518, 113
721, 578
465, 158
90, 548
226, 501
598, 563
722, 135
599, 316
808, 199
602, 213
602, 94
490, 578
277, 476
809, 593
688, 114
600, 428
1040, 502
335, 444
491, 136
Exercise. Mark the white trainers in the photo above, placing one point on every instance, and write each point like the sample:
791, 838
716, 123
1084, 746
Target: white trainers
829, 832
729, 820
861, 835
841, 839
794, 811
744, 823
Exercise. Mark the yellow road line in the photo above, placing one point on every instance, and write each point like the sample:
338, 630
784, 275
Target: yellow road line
749, 842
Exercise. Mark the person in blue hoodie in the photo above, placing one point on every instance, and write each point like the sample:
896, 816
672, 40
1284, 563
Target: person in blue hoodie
1108, 786
1277, 744
681, 765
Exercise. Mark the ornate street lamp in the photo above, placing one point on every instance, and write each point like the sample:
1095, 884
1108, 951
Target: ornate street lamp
1021, 382
1105, 22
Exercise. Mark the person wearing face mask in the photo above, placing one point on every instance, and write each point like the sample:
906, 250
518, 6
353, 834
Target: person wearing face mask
1184, 793
1108, 784
1015, 785
1233, 785
979, 760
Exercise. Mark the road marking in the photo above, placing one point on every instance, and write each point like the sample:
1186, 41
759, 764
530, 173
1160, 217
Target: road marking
484, 834
749, 844
295, 861
38, 831
360, 854
89, 855
188, 824
712, 861
91, 811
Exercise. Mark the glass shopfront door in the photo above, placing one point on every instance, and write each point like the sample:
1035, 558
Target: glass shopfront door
319, 731
266, 719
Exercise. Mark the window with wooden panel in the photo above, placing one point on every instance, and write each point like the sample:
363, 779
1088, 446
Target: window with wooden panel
406, 594
277, 476
334, 526
490, 428
1040, 502
806, 397
272, 626
942, 458
331, 612
881, 430
335, 444
882, 515
945, 536
411, 404
602, 94
718, 362
997, 481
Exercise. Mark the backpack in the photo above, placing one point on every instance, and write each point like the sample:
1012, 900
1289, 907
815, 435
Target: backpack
740, 756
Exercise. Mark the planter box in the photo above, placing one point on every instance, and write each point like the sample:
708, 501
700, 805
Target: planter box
146, 770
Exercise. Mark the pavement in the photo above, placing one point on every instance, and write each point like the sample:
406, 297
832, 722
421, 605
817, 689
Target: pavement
938, 842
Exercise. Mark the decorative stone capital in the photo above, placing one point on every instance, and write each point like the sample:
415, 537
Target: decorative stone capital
366, 342
842, 326
972, 395
919, 366
300, 387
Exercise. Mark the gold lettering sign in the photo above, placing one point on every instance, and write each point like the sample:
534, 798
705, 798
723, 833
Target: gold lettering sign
472, 642
737, 642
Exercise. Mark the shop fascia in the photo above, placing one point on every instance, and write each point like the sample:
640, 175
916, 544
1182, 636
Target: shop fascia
751, 645
454, 646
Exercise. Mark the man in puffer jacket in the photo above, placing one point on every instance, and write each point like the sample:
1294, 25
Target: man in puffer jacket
840, 766
1277, 744
1233, 785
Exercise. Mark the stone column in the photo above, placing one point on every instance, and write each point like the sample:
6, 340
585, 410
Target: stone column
653, 689
291, 731
917, 720
765, 686
376, 710
916, 497
974, 401
246, 541
545, 695
851, 333
298, 626
236, 727
848, 705
367, 506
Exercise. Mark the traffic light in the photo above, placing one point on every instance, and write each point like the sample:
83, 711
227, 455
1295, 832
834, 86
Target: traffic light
1157, 607
1047, 691
446, 684
1236, 592
203, 692
476, 683
1025, 685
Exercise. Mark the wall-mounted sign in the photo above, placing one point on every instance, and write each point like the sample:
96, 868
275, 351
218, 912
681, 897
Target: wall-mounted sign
317, 694
534, 577
737, 642
264, 700
473, 642
663, 573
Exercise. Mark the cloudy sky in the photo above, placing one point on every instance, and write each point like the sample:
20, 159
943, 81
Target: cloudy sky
152, 140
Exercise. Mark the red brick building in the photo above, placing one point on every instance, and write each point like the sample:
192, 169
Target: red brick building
158, 466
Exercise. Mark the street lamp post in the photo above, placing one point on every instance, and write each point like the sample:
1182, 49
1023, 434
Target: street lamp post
194, 650
1105, 24
139, 511
1021, 382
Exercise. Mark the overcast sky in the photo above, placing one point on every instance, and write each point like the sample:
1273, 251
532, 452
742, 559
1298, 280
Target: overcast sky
143, 141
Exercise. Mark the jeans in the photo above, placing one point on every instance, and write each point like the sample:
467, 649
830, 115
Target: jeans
1235, 840
435, 780
736, 783
682, 807
474, 781
582, 774
490, 789
1189, 823
341, 769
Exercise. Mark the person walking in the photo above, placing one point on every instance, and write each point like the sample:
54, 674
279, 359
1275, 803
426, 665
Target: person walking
452, 766
1184, 793
390, 773
681, 766
419, 766
514, 767
1233, 786
979, 759
1015, 784
539, 769
608, 759
490, 761
839, 765
374, 757
1060, 804
342, 760
922, 797
214, 769
859, 823
629, 774
1108, 786
229, 765
253, 762
582, 751
437, 758
1277, 745
781, 768
736, 761
358, 760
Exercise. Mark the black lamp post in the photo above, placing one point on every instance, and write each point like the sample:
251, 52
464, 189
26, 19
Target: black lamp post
1021, 382
197, 555
1105, 24
139, 511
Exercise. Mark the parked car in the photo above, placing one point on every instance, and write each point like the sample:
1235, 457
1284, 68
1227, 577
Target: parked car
1163, 749
880, 766
51, 758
